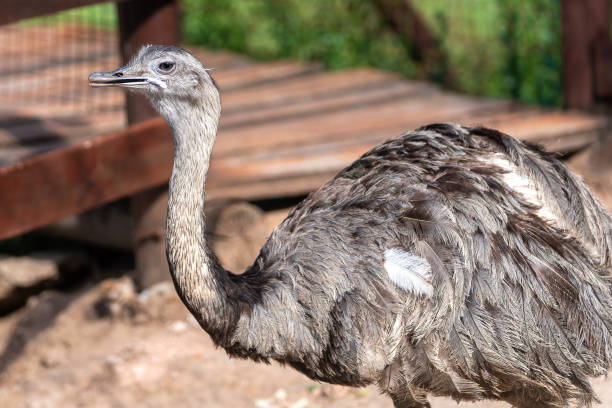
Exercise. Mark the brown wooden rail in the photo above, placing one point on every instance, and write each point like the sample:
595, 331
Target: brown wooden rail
49, 186
277, 156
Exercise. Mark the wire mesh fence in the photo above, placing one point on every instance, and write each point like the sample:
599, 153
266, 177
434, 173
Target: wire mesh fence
47, 60
508, 48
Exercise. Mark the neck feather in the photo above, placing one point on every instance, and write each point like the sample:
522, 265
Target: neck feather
203, 285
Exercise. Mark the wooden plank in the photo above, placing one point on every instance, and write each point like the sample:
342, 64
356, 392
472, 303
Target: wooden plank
554, 125
258, 74
362, 116
65, 110
15, 10
326, 158
247, 169
324, 104
259, 189
392, 118
288, 90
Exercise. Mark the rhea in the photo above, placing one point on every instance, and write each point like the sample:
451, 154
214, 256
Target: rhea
448, 261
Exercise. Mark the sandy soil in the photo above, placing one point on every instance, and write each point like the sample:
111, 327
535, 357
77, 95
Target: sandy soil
105, 347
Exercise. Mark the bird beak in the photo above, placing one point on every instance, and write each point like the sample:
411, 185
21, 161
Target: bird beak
118, 77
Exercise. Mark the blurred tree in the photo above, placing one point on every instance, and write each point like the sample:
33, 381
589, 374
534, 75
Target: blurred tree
420, 42
340, 33
505, 48
532, 37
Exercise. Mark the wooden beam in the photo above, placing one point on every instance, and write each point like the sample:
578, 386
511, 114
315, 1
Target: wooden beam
584, 24
147, 22
70, 180
47, 187
15, 10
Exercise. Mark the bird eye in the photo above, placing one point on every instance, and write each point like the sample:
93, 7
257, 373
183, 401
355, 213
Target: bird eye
165, 67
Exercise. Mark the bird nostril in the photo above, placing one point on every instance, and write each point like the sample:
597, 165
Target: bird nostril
118, 74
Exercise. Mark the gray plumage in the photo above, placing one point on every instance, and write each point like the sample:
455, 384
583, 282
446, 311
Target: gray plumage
450, 260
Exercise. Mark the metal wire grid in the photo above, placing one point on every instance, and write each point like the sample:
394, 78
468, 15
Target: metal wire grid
46, 61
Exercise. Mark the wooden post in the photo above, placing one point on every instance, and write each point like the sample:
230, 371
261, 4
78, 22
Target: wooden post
585, 27
405, 20
147, 22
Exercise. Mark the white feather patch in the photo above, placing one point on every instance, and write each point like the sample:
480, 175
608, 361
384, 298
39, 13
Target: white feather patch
408, 271
522, 185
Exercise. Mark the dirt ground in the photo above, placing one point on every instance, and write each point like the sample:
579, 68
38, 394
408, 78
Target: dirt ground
104, 345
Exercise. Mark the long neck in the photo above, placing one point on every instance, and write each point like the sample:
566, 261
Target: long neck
204, 286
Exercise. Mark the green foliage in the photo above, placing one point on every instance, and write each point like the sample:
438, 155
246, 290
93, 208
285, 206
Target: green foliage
340, 33
504, 48
532, 40
497, 48
100, 15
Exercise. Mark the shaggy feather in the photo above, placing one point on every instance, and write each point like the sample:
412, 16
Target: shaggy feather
518, 302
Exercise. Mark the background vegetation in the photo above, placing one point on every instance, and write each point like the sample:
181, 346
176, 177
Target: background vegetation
497, 48
101, 15
503, 48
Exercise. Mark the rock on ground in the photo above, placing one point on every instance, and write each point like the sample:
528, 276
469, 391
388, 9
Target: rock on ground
23, 276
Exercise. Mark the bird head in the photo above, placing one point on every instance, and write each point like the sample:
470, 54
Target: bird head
162, 73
